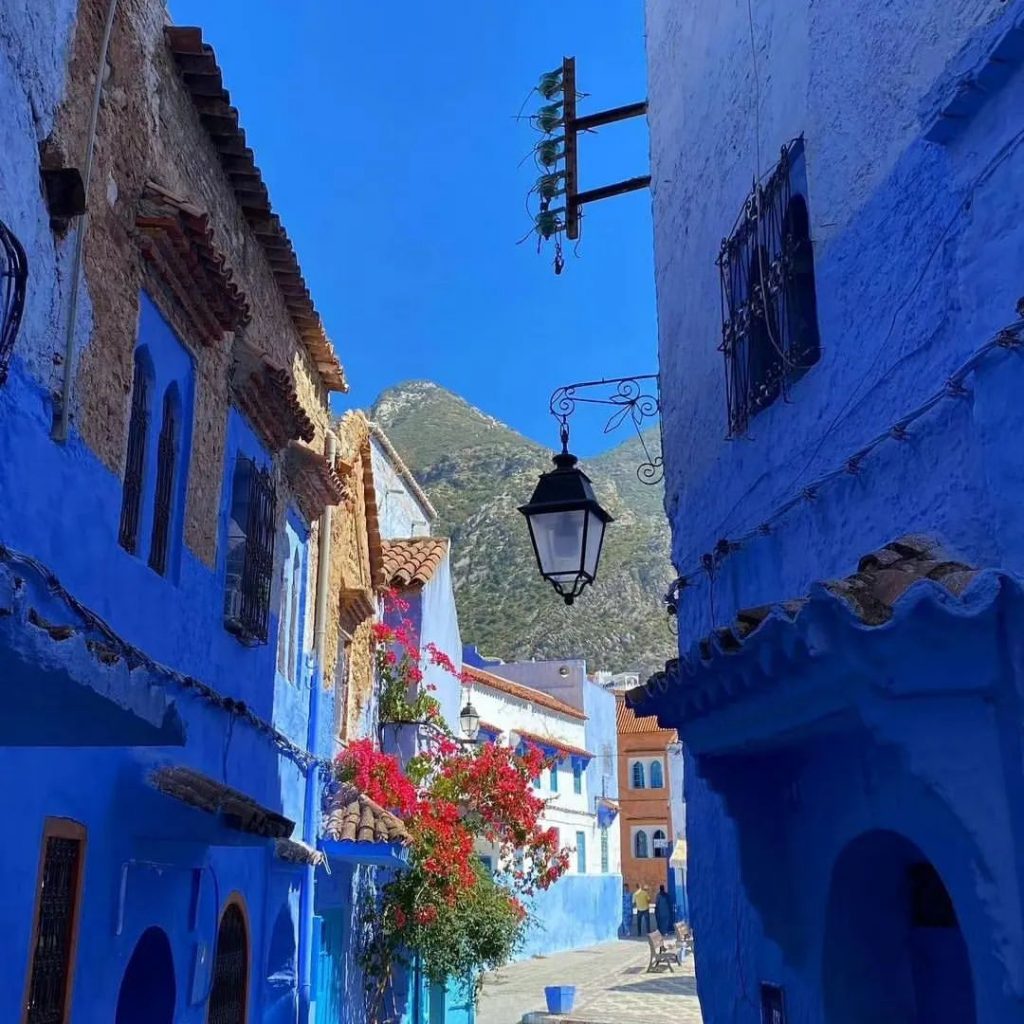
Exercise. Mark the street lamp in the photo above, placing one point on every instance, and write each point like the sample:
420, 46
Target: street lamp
566, 525
469, 720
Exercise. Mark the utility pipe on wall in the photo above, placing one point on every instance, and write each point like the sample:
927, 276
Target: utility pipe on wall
309, 821
60, 428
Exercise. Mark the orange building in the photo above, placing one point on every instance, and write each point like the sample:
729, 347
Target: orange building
644, 815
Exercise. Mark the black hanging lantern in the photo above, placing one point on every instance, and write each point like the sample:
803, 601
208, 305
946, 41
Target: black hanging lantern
469, 720
566, 525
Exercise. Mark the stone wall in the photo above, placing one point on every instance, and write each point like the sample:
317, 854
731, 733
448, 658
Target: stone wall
149, 130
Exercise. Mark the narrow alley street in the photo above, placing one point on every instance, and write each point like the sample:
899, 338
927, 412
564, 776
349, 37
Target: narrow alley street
612, 987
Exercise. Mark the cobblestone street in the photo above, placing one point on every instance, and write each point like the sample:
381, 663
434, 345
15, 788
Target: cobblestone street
612, 987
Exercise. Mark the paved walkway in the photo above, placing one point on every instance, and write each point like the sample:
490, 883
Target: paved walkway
612, 987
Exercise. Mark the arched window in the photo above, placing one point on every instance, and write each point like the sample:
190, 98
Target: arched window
148, 989
166, 461
640, 844
801, 297
229, 992
659, 843
293, 635
657, 777
764, 345
135, 462
638, 775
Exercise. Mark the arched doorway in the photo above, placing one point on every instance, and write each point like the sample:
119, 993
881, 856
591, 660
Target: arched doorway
229, 991
148, 988
894, 952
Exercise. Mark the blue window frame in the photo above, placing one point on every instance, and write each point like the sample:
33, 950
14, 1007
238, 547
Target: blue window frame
581, 852
159, 445
292, 601
657, 775
640, 845
577, 777
638, 775
553, 771
604, 851
488, 864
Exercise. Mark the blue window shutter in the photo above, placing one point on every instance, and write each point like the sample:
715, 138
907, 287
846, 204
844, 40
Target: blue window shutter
581, 852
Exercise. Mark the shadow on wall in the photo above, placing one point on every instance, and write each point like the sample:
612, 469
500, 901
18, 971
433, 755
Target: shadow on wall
893, 946
148, 990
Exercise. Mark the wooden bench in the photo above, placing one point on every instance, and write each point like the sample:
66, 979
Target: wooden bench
663, 951
684, 938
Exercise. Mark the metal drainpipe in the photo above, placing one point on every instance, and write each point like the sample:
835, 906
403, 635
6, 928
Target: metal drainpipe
60, 428
310, 816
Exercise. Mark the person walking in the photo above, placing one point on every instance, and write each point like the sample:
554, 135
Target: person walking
642, 903
663, 911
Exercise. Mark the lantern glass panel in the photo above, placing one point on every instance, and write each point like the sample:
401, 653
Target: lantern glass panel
559, 540
595, 535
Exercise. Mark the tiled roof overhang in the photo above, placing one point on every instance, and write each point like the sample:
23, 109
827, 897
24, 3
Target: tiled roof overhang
354, 817
374, 543
548, 743
906, 600
236, 810
266, 393
412, 562
176, 240
478, 677
197, 65
313, 480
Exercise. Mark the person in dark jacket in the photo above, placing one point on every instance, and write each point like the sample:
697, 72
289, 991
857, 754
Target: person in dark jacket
663, 911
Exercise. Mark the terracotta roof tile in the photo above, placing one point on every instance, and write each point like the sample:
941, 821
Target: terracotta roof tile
374, 544
201, 75
313, 479
524, 693
548, 741
354, 817
266, 393
628, 724
413, 562
177, 241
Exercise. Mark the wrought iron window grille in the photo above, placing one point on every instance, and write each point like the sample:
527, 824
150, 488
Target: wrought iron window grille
131, 491
56, 915
769, 310
251, 552
167, 455
230, 984
13, 281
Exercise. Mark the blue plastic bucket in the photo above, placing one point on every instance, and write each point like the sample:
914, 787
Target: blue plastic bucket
560, 998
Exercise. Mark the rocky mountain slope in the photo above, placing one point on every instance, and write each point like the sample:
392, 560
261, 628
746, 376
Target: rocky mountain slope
476, 471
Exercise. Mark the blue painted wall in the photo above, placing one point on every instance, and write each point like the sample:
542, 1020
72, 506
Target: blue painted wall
915, 168
577, 911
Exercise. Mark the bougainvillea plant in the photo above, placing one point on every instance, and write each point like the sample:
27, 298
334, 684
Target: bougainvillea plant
445, 908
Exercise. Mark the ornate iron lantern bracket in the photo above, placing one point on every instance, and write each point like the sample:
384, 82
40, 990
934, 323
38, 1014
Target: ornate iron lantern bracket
632, 398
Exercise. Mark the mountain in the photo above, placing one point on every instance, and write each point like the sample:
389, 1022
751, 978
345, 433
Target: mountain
476, 471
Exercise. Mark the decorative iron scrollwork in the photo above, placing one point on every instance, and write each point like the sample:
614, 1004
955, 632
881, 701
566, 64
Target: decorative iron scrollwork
13, 279
631, 398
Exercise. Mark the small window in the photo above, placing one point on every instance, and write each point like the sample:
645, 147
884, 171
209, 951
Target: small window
640, 844
293, 632
769, 309
657, 778
638, 775
659, 843
604, 851
166, 463
250, 554
135, 461
553, 772
55, 932
229, 986
577, 777
581, 853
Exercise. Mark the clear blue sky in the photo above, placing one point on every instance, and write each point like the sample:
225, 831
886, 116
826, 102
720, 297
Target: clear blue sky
388, 139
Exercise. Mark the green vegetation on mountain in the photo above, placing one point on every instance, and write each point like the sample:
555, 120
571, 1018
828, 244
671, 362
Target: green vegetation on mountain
476, 471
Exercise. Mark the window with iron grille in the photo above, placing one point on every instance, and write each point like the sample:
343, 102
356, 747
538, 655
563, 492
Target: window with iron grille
13, 279
135, 463
166, 459
250, 554
56, 923
604, 851
769, 308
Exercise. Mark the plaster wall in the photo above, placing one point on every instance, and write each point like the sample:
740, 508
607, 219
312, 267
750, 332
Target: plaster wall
918, 235
401, 514
576, 912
